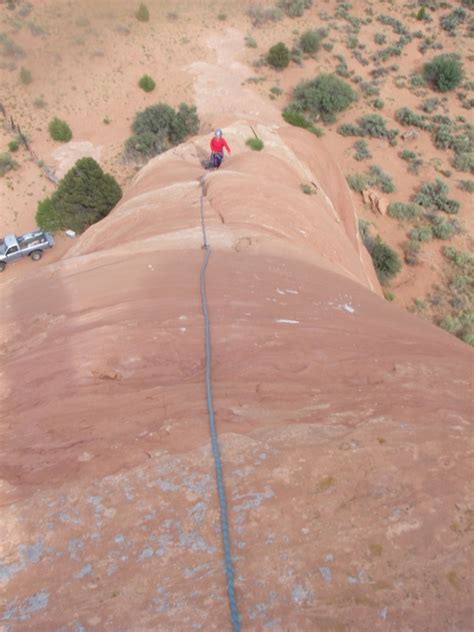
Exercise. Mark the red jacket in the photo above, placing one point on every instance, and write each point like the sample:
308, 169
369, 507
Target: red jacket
218, 144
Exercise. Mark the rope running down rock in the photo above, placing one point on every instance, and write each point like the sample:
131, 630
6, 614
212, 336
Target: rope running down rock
224, 517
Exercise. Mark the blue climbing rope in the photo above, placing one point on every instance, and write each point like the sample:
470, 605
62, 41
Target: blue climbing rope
229, 567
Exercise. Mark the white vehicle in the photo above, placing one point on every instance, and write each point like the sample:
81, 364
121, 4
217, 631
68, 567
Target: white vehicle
28, 245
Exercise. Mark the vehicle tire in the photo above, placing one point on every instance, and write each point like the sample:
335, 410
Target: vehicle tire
2, 266
36, 255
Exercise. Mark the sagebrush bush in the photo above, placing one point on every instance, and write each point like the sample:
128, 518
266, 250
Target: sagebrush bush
377, 104
442, 228
433, 197
467, 185
362, 150
323, 97
159, 127
278, 56
357, 181
250, 41
464, 161
147, 83
411, 250
421, 233
84, 196
414, 161
402, 210
405, 116
378, 178
294, 8
373, 125
310, 41
13, 145
142, 14
429, 105
444, 72
299, 120
25, 76
59, 130
260, 16
6, 163
350, 129
452, 20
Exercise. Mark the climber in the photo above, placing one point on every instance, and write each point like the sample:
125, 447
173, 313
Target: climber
218, 143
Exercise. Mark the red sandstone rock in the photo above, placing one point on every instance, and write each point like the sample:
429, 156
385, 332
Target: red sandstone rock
345, 423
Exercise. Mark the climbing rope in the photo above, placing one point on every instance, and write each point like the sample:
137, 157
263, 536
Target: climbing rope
229, 568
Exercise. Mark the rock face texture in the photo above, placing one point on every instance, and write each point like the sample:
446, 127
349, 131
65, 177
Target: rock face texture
345, 423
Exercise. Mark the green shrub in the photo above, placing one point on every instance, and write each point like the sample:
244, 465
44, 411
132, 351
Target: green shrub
350, 129
411, 250
405, 116
307, 189
294, 8
13, 145
39, 103
142, 14
59, 130
422, 14
6, 163
396, 25
279, 56
84, 196
429, 105
402, 210
377, 104
310, 41
147, 83
459, 258
298, 120
373, 125
443, 137
369, 89
421, 233
441, 228
379, 38
414, 162
25, 76
464, 161
451, 21
260, 16
407, 154
467, 185
389, 296
362, 150
433, 197
386, 261
444, 72
357, 182
222, 17
323, 97
378, 178
8, 48
159, 127
254, 143
250, 41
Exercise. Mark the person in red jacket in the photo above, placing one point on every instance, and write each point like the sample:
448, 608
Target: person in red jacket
218, 143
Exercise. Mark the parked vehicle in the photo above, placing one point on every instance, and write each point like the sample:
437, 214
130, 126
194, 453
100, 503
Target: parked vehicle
28, 245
